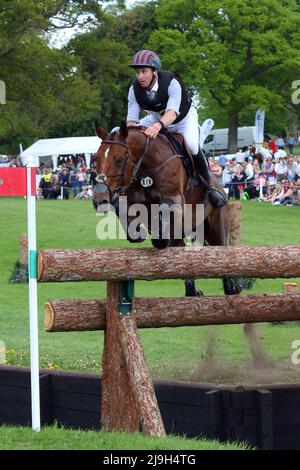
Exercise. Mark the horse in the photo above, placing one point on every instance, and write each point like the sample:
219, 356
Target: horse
126, 160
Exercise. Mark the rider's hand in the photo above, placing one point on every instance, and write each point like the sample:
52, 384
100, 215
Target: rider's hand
153, 130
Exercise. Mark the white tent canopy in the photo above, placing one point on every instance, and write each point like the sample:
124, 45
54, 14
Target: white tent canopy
62, 146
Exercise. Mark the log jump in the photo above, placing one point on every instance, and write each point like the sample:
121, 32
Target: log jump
156, 312
128, 398
264, 262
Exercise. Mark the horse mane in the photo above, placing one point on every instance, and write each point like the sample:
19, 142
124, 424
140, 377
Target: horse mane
114, 133
136, 128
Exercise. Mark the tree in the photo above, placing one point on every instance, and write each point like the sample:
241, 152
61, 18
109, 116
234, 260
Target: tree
240, 55
105, 64
45, 87
47, 94
19, 17
135, 26
105, 53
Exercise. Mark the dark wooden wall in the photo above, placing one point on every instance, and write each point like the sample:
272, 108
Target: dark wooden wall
267, 418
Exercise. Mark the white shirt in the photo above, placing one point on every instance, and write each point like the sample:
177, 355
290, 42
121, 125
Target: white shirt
240, 157
227, 176
280, 153
281, 168
249, 171
266, 153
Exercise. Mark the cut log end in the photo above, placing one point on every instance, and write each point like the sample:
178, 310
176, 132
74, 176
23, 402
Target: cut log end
290, 287
49, 317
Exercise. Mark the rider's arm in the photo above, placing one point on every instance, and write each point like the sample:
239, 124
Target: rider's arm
173, 105
133, 113
168, 118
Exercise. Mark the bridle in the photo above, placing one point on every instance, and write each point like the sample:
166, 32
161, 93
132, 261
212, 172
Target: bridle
101, 178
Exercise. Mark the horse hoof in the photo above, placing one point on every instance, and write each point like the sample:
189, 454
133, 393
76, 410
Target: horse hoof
190, 289
233, 290
231, 287
199, 293
195, 293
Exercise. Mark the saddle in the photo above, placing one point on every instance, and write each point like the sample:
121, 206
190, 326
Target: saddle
179, 147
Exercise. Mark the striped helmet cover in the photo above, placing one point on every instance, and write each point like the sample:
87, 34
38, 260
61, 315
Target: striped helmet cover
145, 58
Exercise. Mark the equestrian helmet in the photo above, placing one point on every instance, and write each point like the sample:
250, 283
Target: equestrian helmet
145, 58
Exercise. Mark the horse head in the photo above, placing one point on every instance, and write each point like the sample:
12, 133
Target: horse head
113, 165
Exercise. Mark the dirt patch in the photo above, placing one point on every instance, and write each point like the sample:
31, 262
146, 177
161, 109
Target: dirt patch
259, 369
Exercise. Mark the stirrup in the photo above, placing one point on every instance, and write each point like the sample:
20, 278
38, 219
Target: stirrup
216, 198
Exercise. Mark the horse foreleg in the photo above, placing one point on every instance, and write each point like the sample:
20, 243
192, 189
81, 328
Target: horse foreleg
216, 233
190, 287
163, 223
135, 232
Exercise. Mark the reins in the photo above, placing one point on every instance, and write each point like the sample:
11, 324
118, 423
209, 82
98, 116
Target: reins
134, 178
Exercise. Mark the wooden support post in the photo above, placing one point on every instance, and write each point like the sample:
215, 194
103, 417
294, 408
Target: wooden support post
264, 403
213, 403
140, 380
118, 409
128, 397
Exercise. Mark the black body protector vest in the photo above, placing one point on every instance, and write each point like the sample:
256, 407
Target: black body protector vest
159, 102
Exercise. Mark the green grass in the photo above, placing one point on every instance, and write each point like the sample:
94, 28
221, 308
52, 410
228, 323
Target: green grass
215, 354
54, 438
169, 352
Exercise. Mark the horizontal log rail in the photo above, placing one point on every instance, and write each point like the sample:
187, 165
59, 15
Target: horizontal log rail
156, 312
173, 263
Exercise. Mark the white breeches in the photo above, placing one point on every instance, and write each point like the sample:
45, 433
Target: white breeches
188, 127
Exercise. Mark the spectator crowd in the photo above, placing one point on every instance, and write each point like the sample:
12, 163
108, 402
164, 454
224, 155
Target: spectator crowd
266, 174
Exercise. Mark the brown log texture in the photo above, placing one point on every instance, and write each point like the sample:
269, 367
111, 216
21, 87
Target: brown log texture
235, 223
173, 263
75, 315
141, 383
156, 312
128, 397
118, 407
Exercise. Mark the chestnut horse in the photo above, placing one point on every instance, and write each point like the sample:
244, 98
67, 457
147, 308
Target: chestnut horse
128, 156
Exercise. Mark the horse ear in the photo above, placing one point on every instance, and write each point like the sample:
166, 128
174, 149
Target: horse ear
100, 132
123, 130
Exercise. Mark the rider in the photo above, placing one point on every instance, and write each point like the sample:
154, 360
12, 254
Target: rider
163, 97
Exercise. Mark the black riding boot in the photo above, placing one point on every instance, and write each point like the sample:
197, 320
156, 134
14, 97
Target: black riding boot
216, 197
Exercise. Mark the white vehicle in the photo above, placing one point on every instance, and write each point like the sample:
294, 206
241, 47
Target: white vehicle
217, 140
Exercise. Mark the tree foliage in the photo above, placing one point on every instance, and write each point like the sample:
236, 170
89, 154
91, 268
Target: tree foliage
57, 92
104, 63
234, 56
240, 55
45, 87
